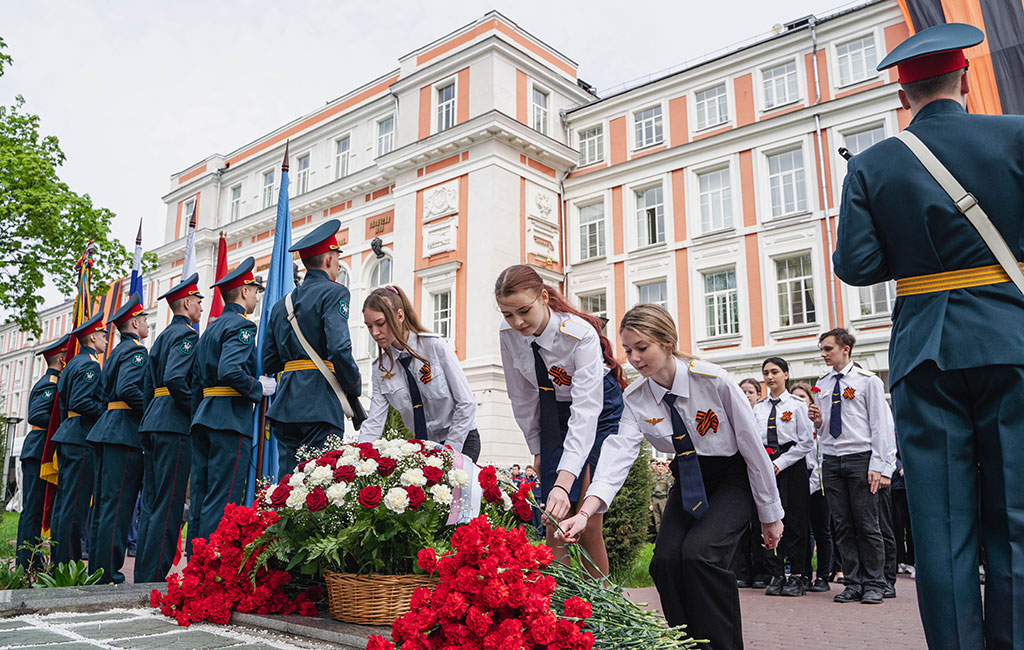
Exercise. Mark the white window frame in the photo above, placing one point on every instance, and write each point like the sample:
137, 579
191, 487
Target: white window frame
301, 185
762, 92
267, 190
450, 109
765, 207
848, 132
870, 73
583, 296
778, 283
707, 325
342, 160
385, 141
448, 321
186, 214
597, 230
635, 211
657, 121
887, 288
373, 280
730, 110
642, 284
585, 146
235, 203
344, 273
729, 223
544, 118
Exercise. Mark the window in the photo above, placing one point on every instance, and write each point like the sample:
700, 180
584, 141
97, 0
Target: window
236, 202
712, 108
786, 180
861, 140
650, 216
540, 111
595, 304
715, 200
268, 188
796, 290
591, 145
721, 303
446, 107
780, 85
186, 216
654, 292
381, 273
443, 314
647, 127
856, 60
877, 299
385, 136
341, 157
342, 276
591, 230
302, 176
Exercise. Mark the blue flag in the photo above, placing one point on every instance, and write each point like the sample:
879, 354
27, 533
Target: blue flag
280, 282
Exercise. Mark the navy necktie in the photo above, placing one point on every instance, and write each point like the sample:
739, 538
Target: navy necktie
691, 483
773, 430
835, 420
550, 432
419, 418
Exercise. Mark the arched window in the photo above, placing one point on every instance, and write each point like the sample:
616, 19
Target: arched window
381, 274
342, 276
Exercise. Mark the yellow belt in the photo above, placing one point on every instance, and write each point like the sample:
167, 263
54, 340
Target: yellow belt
161, 392
947, 280
118, 406
221, 391
72, 414
35, 428
305, 364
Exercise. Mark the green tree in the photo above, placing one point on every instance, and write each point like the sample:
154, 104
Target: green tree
44, 226
626, 522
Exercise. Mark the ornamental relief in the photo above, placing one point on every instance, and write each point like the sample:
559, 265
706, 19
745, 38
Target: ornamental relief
439, 237
541, 203
441, 201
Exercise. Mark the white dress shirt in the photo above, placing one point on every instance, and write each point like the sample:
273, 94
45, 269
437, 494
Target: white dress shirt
791, 424
570, 343
814, 465
867, 420
448, 404
700, 387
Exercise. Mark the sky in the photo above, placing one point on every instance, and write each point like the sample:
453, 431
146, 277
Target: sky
138, 90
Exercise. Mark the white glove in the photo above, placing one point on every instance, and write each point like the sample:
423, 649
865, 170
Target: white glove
269, 385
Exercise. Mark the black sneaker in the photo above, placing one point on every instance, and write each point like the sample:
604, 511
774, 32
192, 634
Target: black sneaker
795, 586
849, 595
871, 597
820, 584
775, 586
744, 584
758, 584
889, 591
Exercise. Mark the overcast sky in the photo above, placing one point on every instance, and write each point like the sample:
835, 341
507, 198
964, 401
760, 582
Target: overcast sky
137, 90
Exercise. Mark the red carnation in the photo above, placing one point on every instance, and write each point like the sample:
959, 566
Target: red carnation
301, 466
427, 560
346, 473
416, 496
493, 494
488, 477
369, 496
769, 450
576, 607
280, 495
815, 389
433, 474
316, 500
385, 466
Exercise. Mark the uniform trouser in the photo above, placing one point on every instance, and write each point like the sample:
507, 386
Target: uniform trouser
71, 505
146, 494
889, 566
821, 528
901, 526
118, 471
794, 492
855, 513
225, 471
30, 524
200, 443
748, 562
961, 438
171, 460
471, 447
691, 556
292, 435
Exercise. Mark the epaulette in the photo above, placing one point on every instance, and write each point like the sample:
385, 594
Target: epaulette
866, 373
429, 335
53, 379
699, 367
506, 329
574, 327
92, 357
635, 385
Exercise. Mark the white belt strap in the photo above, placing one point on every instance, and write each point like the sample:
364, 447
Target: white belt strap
968, 205
315, 358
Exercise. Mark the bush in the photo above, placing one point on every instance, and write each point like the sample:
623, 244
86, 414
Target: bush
625, 523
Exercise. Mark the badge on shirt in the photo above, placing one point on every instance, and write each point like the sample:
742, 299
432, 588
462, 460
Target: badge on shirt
653, 421
343, 308
560, 376
89, 376
425, 375
246, 336
849, 392
185, 347
787, 416
48, 394
706, 420
138, 359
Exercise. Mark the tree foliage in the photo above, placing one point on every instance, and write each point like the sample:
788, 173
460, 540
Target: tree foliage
625, 523
44, 225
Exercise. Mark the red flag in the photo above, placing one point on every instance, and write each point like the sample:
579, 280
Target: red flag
217, 306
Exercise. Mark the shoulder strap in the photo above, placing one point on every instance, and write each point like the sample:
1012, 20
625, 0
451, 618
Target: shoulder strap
968, 205
332, 381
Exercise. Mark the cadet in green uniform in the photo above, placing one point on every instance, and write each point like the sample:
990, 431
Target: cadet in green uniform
165, 432
116, 443
81, 404
224, 391
321, 308
33, 490
659, 495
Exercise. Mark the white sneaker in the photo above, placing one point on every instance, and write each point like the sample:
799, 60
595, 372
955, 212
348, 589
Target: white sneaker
912, 571
902, 568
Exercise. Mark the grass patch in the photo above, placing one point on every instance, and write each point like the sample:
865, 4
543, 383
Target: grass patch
637, 574
8, 533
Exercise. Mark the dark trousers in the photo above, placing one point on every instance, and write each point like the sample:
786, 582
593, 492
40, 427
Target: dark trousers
471, 447
961, 437
821, 529
691, 557
224, 469
889, 566
292, 435
793, 490
901, 526
118, 475
855, 513
749, 561
71, 505
146, 495
200, 443
30, 523
171, 461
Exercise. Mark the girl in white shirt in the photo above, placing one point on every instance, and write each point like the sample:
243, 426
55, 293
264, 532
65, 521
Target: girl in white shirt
419, 375
695, 411
566, 392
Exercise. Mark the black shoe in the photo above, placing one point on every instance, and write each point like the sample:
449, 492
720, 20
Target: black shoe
775, 586
758, 584
889, 591
850, 595
820, 584
795, 586
871, 597
842, 580
743, 584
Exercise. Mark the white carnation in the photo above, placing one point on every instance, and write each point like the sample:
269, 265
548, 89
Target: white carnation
366, 467
435, 461
458, 477
506, 502
267, 495
296, 479
442, 494
336, 493
392, 452
409, 448
380, 443
396, 500
297, 499
414, 477
322, 475
349, 455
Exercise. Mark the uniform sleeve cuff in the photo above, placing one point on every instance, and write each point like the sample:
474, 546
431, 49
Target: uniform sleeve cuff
571, 463
880, 466
534, 445
770, 512
604, 492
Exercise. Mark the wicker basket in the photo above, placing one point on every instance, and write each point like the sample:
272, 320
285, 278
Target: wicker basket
373, 599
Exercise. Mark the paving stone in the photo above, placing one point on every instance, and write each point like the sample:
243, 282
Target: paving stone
183, 640
12, 625
85, 618
124, 629
31, 636
75, 645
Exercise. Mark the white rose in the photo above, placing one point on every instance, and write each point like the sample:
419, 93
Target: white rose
458, 477
396, 500
366, 467
414, 477
336, 493
506, 502
435, 461
297, 499
296, 479
441, 494
322, 475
